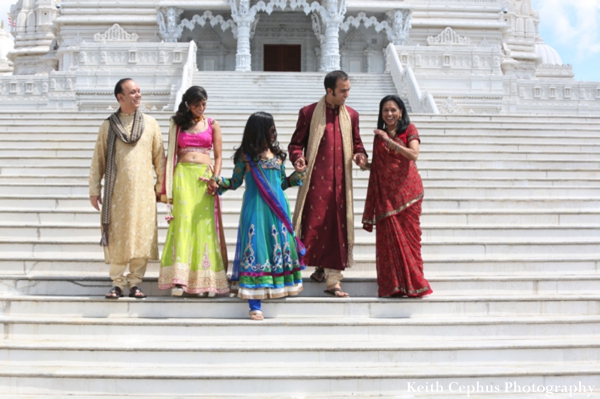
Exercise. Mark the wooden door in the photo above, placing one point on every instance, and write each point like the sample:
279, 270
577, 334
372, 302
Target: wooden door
283, 58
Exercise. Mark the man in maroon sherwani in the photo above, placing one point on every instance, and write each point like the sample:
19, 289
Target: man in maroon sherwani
327, 140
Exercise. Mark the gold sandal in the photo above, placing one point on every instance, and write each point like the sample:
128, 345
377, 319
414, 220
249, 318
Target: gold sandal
256, 315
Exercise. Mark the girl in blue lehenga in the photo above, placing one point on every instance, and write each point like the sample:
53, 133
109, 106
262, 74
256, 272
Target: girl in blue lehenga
268, 256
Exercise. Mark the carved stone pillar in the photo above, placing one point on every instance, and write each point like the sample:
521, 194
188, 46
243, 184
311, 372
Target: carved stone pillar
243, 57
332, 17
244, 18
331, 53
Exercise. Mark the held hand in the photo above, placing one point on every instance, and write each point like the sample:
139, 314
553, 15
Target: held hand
212, 187
302, 169
300, 165
360, 159
96, 201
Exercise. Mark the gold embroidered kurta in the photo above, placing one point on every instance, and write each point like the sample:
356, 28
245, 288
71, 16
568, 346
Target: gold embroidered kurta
133, 229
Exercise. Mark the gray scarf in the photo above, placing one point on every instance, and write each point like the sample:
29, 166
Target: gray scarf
116, 130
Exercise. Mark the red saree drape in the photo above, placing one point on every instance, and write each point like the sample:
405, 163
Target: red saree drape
394, 199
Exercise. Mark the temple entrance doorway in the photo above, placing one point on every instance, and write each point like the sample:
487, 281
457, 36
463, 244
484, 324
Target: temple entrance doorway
282, 58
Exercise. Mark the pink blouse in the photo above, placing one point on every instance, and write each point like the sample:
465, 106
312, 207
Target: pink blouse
197, 140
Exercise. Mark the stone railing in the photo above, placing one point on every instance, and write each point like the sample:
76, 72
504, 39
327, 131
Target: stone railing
406, 84
553, 96
53, 91
188, 73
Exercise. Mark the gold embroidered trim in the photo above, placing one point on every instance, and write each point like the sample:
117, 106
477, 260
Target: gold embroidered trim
193, 281
394, 212
401, 290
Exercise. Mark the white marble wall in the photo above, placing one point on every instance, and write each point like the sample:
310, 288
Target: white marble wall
486, 63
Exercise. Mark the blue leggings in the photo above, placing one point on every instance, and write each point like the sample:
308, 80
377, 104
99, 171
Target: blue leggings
254, 304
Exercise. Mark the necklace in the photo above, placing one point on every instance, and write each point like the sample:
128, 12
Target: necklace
198, 119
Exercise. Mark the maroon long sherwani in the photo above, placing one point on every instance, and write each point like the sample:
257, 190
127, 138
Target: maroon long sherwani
324, 215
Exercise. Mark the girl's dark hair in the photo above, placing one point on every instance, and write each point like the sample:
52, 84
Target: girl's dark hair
259, 135
183, 117
404, 120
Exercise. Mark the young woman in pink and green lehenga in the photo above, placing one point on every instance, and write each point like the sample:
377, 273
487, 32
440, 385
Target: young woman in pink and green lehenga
268, 257
194, 258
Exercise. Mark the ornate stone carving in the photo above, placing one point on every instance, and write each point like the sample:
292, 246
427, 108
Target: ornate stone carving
397, 25
450, 107
244, 16
116, 34
448, 37
333, 17
206, 17
554, 71
400, 21
168, 23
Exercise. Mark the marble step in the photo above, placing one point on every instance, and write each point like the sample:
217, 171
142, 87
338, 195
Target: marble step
233, 200
79, 161
467, 122
450, 142
79, 140
430, 231
439, 246
360, 188
506, 123
452, 391
233, 127
157, 307
44, 329
279, 379
75, 147
454, 176
433, 146
285, 127
217, 353
434, 178
460, 217
85, 264
452, 179
361, 287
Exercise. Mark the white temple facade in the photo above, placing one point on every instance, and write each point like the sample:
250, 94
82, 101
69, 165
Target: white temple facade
451, 56
6, 46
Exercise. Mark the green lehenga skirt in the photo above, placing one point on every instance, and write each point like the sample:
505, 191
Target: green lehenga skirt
192, 256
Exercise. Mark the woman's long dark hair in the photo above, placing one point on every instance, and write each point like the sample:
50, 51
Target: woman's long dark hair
259, 135
403, 122
183, 117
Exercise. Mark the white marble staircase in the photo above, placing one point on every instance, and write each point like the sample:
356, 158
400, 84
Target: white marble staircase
287, 91
511, 234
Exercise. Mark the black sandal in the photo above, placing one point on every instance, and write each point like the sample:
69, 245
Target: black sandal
318, 275
134, 292
114, 293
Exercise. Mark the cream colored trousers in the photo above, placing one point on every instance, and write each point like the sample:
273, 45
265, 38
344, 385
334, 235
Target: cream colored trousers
137, 269
333, 277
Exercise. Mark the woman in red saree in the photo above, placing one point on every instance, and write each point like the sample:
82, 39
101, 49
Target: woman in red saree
394, 199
